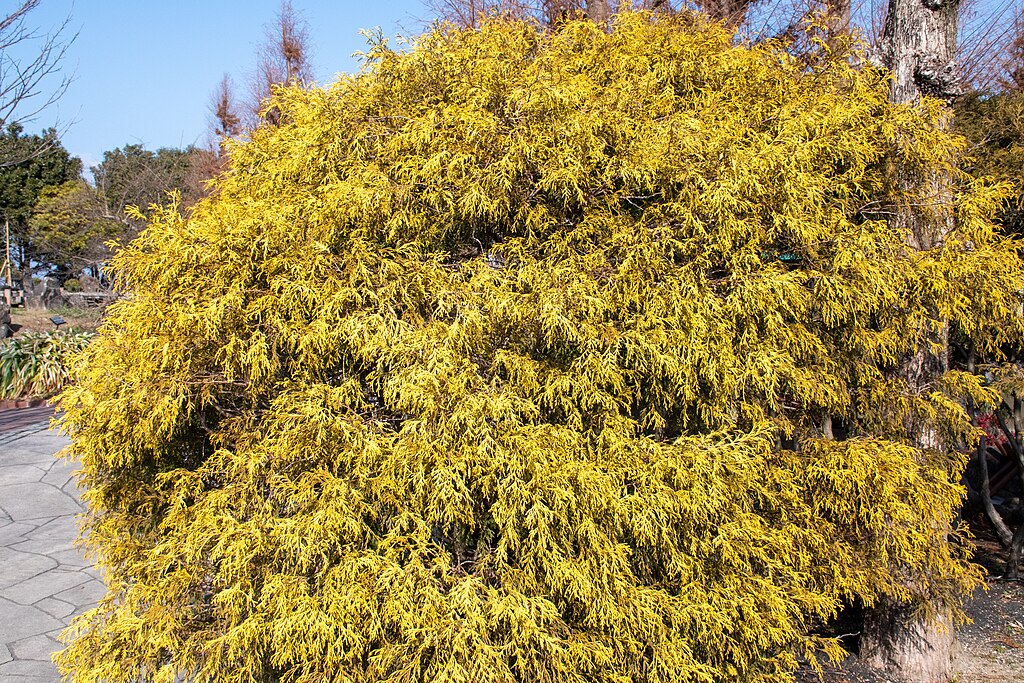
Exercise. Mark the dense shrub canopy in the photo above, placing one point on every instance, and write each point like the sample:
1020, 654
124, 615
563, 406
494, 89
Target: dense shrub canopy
507, 360
994, 128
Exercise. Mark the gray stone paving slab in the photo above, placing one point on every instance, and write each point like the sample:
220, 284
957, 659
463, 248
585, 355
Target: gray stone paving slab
85, 594
49, 535
31, 591
55, 528
44, 546
34, 647
44, 579
59, 474
28, 667
13, 454
16, 567
21, 474
56, 608
21, 621
43, 441
34, 501
71, 559
15, 532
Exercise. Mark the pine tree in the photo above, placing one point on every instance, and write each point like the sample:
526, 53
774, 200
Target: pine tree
536, 356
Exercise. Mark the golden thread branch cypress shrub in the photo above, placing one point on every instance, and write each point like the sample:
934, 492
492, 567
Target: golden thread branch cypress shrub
507, 360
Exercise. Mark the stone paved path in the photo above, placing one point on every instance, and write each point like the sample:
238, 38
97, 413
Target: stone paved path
44, 580
24, 418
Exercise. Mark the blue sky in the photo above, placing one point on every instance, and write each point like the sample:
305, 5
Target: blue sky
144, 71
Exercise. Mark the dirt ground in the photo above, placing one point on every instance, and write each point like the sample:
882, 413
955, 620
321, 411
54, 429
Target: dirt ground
990, 649
35, 320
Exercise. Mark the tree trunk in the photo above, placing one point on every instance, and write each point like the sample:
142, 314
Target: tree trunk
1003, 531
599, 12
1016, 547
557, 12
730, 12
839, 10
918, 45
838, 17
897, 640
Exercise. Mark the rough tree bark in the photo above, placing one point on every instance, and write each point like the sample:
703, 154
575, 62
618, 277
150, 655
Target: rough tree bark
558, 11
1016, 548
730, 12
838, 17
599, 11
918, 46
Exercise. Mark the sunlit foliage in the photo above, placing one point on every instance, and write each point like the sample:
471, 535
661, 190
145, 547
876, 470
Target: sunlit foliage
994, 128
508, 359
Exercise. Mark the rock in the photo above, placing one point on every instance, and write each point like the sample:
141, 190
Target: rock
90, 283
52, 295
34, 300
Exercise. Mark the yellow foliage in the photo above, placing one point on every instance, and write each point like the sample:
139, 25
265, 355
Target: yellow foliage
506, 359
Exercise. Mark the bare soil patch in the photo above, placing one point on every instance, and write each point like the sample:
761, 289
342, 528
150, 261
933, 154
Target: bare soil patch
37, 320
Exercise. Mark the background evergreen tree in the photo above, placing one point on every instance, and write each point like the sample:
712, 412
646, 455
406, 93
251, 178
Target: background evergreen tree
45, 164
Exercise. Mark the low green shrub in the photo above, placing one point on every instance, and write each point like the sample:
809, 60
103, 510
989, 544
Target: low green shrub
37, 364
72, 285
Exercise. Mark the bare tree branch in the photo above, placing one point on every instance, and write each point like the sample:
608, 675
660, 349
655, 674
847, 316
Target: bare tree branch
22, 82
282, 59
29, 59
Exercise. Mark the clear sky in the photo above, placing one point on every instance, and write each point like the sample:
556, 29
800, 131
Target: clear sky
144, 71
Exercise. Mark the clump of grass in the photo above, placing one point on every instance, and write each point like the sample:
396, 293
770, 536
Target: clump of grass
37, 364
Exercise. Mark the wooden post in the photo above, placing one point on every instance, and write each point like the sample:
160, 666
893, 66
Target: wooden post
8, 277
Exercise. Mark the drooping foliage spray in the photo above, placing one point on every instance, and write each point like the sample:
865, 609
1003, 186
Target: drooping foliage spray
509, 359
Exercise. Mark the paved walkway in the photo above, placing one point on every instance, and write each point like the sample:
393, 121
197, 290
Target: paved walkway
13, 420
44, 580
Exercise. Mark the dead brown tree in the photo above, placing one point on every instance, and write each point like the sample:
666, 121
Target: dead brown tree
282, 59
226, 121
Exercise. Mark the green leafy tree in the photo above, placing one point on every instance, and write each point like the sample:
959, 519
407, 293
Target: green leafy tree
134, 176
69, 230
526, 356
46, 165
